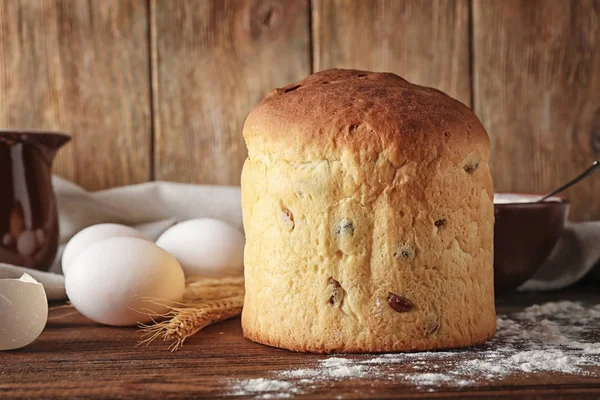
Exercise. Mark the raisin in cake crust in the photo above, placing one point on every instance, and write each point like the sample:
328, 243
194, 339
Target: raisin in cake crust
368, 214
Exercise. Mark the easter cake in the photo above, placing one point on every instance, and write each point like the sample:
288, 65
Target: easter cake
367, 204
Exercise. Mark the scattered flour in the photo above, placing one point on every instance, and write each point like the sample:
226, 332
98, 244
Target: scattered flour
262, 385
428, 378
560, 337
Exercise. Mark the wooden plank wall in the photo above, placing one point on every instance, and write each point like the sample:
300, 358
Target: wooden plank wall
423, 41
537, 91
159, 89
212, 62
81, 67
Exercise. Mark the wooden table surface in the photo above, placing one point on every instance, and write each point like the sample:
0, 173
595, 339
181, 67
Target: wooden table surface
75, 358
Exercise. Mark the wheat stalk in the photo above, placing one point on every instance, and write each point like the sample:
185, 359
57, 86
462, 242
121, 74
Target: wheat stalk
205, 302
211, 290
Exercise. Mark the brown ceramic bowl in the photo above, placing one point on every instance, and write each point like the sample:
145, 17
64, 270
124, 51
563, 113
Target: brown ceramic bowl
524, 235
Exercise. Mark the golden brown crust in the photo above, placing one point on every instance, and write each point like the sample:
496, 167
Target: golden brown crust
341, 109
409, 346
367, 205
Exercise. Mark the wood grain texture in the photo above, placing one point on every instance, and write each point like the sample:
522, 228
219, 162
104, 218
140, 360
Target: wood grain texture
81, 67
426, 42
213, 61
537, 91
75, 358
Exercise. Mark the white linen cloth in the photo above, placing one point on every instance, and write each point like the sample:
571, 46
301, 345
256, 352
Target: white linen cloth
153, 207
575, 254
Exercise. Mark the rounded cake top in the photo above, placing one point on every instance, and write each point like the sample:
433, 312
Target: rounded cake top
338, 110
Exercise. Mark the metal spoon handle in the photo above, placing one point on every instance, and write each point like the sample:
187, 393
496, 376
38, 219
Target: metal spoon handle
591, 169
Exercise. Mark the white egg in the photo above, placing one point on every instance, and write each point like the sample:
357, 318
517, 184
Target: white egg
94, 234
23, 311
111, 281
205, 246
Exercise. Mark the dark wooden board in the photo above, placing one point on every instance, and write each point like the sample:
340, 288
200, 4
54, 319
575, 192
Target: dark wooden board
536, 68
81, 67
212, 62
78, 359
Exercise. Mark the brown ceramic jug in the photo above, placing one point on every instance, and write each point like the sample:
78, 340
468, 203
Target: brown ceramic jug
28, 219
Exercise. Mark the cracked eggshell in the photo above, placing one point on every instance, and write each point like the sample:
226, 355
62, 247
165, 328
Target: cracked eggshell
112, 280
23, 311
93, 234
205, 246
